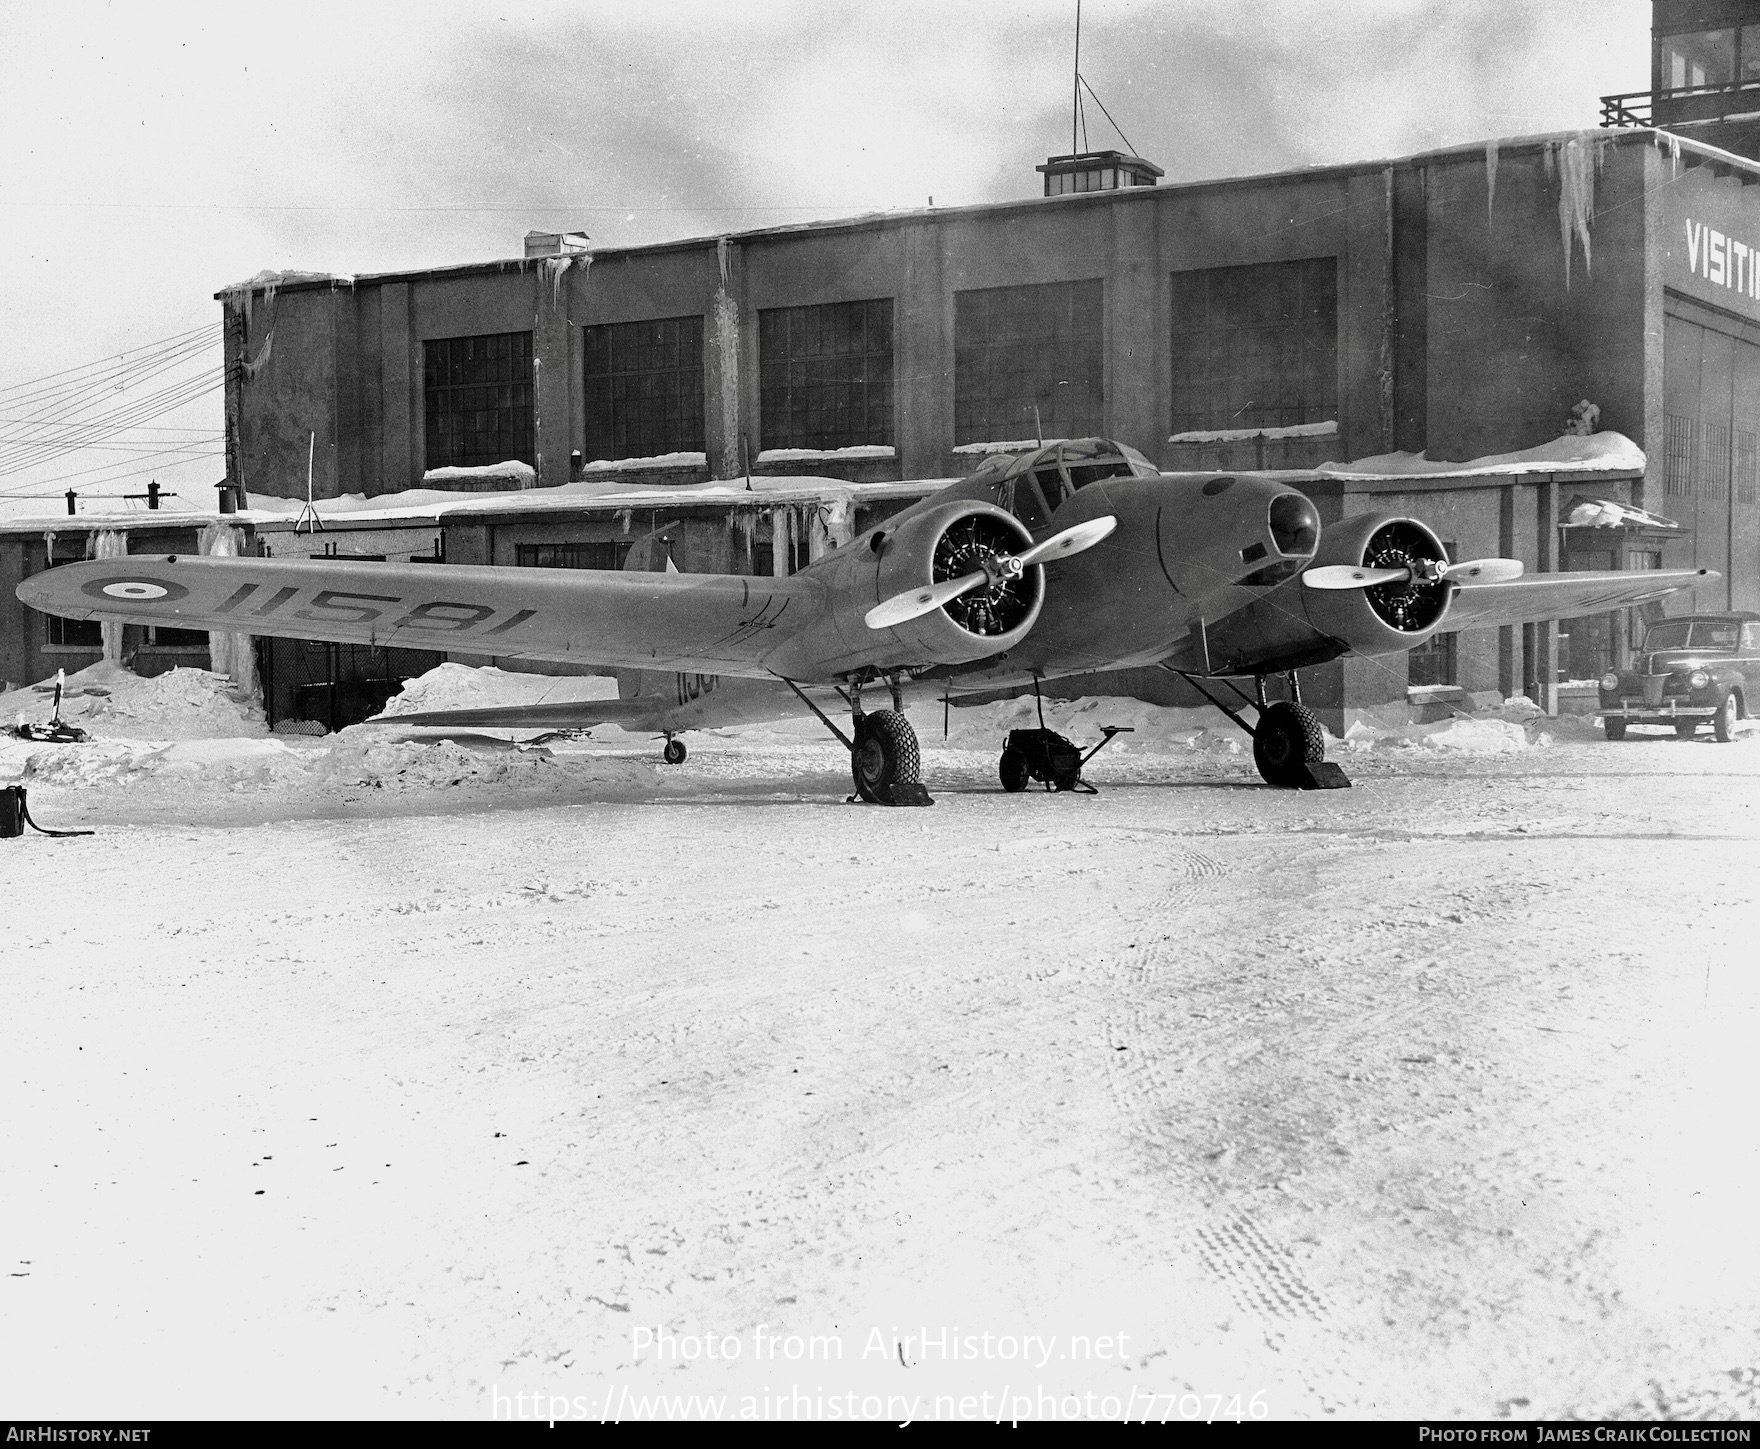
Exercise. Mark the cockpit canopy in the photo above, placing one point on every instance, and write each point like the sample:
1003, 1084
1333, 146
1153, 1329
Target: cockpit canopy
1034, 485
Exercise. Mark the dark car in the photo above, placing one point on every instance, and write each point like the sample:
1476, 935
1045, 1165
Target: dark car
1691, 671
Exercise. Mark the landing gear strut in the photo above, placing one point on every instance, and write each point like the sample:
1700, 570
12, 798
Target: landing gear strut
884, 761
1289, 745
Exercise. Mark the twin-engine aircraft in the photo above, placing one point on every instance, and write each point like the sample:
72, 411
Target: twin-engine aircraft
1074, 558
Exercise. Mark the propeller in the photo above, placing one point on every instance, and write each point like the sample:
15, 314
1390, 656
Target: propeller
1470, 571
902, 608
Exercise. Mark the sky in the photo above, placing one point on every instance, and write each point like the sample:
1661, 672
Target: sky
155, 153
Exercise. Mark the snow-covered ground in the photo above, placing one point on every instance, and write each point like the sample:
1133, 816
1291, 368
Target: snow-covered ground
382, 1074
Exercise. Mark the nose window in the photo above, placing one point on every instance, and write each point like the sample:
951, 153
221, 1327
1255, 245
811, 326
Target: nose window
1295, 526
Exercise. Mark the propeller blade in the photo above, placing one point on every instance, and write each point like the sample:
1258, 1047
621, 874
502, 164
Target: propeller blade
1484, 571
1348, 576
1070, 541
902, 608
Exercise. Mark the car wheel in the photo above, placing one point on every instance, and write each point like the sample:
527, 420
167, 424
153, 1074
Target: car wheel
1615, 728
1724, 725
1013, 770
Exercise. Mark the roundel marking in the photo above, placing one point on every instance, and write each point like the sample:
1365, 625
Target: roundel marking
135, 591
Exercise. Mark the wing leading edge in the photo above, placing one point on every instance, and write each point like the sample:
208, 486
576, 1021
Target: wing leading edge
1534, 598
713, 623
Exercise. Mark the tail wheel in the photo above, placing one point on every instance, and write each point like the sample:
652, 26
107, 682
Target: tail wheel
1013, 770
1287, 738
1614, 728
885, 755
674, 752
1724, 725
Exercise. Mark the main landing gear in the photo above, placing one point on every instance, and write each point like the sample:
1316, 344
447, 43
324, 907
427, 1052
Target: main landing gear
1289, 745
884, 761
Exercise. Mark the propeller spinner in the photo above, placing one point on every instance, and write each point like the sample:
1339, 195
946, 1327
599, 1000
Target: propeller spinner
912, 604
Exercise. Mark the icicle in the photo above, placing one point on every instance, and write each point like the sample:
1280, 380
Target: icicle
624, 519
746, 521
111, 543
253, 365
555, 270
1490, 182
1549, 159
230, 654
1577, 165
49, 539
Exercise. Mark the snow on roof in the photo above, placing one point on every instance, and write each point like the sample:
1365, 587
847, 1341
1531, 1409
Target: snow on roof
1599, 452
522, 475
430, 505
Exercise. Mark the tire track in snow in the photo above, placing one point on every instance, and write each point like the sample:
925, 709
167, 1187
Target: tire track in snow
1261, 1275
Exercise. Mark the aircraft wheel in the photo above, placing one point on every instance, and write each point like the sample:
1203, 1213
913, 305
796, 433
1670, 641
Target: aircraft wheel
1013, 770
674, 752
1724, 725
1684, 729
1288, 737
1615, 729
885, 756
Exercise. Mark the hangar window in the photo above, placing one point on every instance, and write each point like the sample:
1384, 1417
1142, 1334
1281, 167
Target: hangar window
607, 555
1255, 347
825, 375
1678, 464
477, 400
1716, 474
1029, 362
644, 388
1745, 471
59, 633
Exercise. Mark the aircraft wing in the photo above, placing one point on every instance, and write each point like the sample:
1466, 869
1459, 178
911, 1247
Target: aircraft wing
709, 623
1536, 597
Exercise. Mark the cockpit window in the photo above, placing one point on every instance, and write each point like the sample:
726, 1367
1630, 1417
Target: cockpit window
1026, 504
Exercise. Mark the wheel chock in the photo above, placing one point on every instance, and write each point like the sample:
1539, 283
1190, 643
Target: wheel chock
908, 792
1322, 776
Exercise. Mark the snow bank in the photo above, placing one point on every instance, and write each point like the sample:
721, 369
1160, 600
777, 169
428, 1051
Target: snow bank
109, 702
458, 686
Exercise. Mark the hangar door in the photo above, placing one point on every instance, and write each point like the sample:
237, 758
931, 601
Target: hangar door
1711, 462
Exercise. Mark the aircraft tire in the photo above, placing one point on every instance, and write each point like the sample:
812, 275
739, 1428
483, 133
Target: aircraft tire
1615, 729
1013, 770
885, 755
1288, 737
674, 752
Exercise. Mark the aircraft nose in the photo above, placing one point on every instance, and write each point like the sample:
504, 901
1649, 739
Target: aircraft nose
1295, 525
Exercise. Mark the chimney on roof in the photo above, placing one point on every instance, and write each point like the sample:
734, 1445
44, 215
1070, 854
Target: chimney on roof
1096, 171
555, 243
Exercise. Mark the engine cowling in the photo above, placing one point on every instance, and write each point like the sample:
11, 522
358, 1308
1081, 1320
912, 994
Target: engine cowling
940, 543
1390, 617
1294, 626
